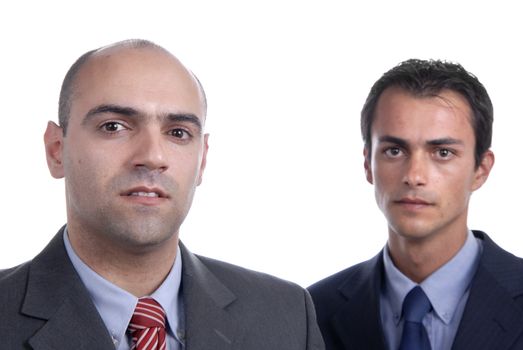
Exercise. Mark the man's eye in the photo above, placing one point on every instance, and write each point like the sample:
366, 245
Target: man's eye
444, 153
393, 152
179, 133
112, 127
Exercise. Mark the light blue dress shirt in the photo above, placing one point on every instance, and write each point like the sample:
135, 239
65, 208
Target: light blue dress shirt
447, 289
116, 306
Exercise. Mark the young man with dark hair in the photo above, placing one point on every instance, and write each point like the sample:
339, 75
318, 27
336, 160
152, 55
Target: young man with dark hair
427, 129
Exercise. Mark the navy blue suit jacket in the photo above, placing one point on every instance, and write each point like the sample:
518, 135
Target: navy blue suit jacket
348, 306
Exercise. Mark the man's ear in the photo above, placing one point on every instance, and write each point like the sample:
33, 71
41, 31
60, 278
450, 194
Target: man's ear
54, 144
482, 172
204, 158
367, 166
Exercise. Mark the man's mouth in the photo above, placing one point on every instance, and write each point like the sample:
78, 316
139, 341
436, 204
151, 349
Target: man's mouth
413, 201
145, 192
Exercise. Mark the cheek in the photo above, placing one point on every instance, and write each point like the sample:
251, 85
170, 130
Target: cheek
382, 190
461, 190
187, 176
453, 191
385, 177
458, 181
186, 166
86, 170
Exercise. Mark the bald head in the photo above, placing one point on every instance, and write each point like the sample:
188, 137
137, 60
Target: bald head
117, 54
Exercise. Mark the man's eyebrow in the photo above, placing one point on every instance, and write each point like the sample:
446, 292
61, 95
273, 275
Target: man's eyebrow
185, 117
110, 108
436, 142
444, 141
392, 139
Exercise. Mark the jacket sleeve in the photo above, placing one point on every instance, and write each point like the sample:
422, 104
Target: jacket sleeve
314, 338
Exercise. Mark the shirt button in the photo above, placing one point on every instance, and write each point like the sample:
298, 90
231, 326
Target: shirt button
181, 335
115, 341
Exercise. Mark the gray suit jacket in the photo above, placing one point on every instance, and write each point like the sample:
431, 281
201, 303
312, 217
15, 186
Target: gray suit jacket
44, 305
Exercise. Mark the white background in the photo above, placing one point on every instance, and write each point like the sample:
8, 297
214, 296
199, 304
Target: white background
284, 191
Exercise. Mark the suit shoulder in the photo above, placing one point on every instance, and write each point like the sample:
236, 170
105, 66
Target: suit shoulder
14, 275
504, 266
332, 294
329, 287
288, 319
13, 282
246, 278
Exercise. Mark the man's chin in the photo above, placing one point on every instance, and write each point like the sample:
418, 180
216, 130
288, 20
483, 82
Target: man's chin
414, 233
141, 234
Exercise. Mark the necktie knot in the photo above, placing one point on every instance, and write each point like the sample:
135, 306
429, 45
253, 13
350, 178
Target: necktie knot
147, 326
416, 305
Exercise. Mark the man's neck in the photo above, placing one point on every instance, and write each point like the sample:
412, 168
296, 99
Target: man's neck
419, 258
138, 270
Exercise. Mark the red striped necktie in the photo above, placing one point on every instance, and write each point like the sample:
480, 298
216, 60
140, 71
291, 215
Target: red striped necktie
147, 326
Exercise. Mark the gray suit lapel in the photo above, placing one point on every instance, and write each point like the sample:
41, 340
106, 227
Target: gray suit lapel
56, 295
492, 319
358, 322
207, 322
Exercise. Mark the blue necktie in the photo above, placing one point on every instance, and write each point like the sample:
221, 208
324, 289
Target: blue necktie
415, 307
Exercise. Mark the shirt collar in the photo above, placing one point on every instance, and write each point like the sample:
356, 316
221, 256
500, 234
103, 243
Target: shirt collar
444, 287
116, 306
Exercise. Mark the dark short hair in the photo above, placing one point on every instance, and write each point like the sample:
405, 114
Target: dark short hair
68, 85
425, 78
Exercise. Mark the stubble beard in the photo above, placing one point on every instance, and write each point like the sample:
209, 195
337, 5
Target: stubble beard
127, 226
140, 229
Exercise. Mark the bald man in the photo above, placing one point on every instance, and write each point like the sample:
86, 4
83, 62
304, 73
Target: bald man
132, 149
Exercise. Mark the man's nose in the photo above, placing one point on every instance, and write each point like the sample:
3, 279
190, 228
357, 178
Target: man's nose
416, 170
150, 151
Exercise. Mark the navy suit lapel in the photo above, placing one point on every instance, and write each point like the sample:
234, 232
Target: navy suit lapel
358, 322
492, 319
206, 299
56, 295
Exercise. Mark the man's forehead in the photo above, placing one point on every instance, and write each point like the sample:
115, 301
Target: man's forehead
404, 114
395, 101
129, 72
122, 57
